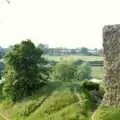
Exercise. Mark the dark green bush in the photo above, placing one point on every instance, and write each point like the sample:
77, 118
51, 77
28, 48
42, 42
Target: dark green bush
1, 86
78, 62
90, 85
2, 66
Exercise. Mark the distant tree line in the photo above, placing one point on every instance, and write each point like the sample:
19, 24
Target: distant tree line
68, 51
60, 51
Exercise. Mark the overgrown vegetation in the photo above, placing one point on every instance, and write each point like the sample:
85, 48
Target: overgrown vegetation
34, 87
59, 100
83, 71
63, 71
22, 74
67, 71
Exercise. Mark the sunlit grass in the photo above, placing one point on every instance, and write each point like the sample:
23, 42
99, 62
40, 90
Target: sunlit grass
73, 57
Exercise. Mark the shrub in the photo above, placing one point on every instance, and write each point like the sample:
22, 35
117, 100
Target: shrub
78, 62
22, 73
83, 71
90, 85
67, 71
63, 71
1, 68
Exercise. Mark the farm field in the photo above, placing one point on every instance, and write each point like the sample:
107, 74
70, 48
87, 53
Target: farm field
73, 57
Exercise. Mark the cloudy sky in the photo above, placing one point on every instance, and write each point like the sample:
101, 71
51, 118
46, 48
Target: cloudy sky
65, 23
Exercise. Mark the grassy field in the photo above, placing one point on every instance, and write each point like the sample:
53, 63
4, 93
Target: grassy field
57, 101
73, 57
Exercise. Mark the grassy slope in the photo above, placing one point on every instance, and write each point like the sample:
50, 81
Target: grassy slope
1, 118
61, 103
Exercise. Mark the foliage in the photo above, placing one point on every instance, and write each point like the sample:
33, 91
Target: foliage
84, 51
44, 48
63, 71
67, 71
78, 62
22, 74
1, 68
83, 71
90, 85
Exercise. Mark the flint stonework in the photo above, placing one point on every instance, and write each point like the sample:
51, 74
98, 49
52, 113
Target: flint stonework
111, 43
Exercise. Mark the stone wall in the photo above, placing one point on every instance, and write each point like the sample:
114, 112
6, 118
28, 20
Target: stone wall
111, 43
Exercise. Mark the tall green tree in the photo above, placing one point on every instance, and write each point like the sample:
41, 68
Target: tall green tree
22, 74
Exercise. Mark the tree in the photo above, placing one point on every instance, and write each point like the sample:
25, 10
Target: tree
22, 74
43, 47
63, 71
84, 50
83, 71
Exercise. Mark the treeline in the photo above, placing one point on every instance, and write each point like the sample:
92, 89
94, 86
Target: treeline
60, 51
67, 51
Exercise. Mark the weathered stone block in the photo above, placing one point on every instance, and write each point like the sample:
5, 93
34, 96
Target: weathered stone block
111, 43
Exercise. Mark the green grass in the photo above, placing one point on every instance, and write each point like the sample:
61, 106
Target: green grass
73, 57
107, 113
98, 72
61, 103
